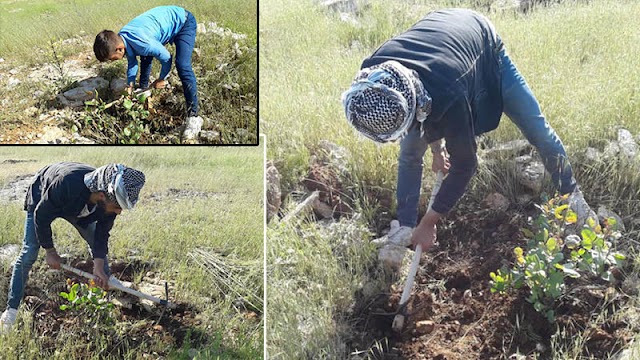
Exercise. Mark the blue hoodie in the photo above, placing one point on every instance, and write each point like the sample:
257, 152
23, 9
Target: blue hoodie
147, 34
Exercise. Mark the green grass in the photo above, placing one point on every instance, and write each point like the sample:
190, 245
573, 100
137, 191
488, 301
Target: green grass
165, 229
578, 57
51, 19
50, 23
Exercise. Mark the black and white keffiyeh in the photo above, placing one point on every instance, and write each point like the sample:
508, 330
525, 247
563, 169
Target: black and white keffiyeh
120, 183
383, 101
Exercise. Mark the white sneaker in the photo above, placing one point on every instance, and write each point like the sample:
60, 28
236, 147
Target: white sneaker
578, 204
7, 320
192, 127
398, 235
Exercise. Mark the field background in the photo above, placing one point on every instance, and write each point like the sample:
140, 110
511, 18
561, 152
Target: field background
30, 27
579, 57
222, 210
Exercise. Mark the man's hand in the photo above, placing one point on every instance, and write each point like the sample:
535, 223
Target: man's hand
425, 233
158, 84
102, 280
440, 158
53, 259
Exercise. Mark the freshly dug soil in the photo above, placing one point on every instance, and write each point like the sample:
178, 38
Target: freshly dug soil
466, 320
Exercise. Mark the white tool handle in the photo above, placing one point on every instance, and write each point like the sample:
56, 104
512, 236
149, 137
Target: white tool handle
120, 287
416, 256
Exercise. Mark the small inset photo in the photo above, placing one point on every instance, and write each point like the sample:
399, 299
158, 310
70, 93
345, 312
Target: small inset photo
132, 253
128, 72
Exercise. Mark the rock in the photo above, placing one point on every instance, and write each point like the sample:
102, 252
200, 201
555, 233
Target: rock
14, 71
209, 135
12, 83
77, 139
604, 213
334, 155
31, 111
122, 301
343, 6
16, 189
627, 144
72, 69
8, 253
118, 86
53, 135
524, 199
85, 91
1, 60
392, 255
497, 201
611, 150
511, 5
530, 173
37, 94
509, 149
592, 154
249, 109
201, 28
425, 327
349, 19
274, 195
322, 209
242, 133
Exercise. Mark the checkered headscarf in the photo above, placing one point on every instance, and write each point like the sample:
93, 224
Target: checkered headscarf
120, 183
383, 101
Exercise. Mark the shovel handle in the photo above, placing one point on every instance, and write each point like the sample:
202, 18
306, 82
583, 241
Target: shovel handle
415, 262
120, 287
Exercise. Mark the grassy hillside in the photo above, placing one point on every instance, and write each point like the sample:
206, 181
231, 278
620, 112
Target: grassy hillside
578, 57
194, 198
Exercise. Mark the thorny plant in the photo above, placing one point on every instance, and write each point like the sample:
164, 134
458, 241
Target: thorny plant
549, 258
126, 127
88, 299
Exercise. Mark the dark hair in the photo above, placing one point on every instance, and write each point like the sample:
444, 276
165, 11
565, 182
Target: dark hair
105, 44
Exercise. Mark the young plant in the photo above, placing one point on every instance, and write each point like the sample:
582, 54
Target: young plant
549, 258
88, 299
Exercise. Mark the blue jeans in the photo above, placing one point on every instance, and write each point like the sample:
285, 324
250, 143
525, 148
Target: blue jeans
185, 41
29, 254
521, 106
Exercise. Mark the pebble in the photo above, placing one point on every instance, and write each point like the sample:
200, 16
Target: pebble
425, 327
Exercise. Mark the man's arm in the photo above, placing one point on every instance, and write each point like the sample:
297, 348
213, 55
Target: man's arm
461, 146
100, 250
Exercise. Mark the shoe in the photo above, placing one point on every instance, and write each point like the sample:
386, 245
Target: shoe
192, 127
578, 204
398, 235
7, 320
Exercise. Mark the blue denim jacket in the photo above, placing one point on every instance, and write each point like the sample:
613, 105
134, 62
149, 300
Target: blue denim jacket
147, 34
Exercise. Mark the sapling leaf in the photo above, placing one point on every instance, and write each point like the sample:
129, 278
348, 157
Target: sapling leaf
558, 211
127, 104
526, 232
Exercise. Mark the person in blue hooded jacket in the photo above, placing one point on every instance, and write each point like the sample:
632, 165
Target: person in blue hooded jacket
86, 197
146, 37
440, 84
